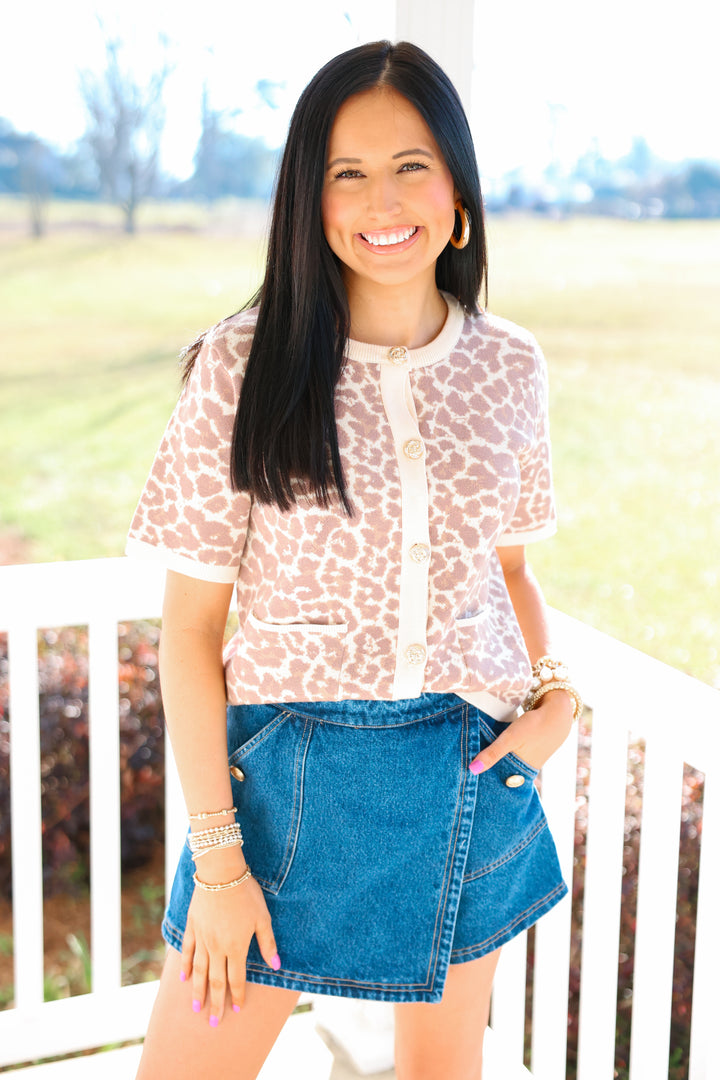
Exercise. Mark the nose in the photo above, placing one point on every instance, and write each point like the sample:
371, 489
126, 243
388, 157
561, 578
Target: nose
383, 196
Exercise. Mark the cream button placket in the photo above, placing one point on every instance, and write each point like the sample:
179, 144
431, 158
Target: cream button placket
398, 355
516, 780
414, 449
419, 553
415, 654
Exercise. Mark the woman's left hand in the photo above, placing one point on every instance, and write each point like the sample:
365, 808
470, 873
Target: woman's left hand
534, 736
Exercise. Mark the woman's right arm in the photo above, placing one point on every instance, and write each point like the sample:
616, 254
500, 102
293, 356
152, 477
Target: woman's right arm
220, 925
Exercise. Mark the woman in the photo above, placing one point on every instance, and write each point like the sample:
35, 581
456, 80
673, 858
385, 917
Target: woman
364, 455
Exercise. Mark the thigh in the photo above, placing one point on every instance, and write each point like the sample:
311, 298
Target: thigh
443, 1040
181, 1043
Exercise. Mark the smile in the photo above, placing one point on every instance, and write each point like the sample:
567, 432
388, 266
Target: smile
390, 240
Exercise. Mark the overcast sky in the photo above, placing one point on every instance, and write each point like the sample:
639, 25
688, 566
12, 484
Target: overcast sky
607, 71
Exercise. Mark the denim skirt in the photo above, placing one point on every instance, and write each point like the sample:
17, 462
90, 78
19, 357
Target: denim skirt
382, 857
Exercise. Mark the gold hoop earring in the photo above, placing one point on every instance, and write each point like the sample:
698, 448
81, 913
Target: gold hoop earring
465, 222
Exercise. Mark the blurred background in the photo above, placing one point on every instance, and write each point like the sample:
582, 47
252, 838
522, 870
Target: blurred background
138, 146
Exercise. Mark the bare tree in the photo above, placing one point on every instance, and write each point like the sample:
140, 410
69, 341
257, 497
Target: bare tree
125, 124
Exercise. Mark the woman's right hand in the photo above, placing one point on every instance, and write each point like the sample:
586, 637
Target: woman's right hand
220, 926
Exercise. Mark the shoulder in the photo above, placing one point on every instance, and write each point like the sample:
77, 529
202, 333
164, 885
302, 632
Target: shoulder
228, 342
499, 352
492, 330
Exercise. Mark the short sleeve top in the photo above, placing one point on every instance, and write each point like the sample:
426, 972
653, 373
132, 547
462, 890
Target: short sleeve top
446, 455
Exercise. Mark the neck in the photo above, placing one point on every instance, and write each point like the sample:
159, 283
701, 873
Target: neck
395, 315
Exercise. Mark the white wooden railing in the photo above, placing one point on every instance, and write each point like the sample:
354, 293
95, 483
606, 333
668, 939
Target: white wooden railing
631, 695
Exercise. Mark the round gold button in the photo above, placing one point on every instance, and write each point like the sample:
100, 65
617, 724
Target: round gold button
415, 654
419, 553
516, 780
413, 448
398, 355
237, 772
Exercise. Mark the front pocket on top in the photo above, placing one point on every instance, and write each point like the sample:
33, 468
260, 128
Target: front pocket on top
270, 797
293, 661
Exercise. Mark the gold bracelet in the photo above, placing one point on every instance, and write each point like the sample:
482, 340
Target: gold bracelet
223, 885
212, 837
536, 695
211, 813
216, 847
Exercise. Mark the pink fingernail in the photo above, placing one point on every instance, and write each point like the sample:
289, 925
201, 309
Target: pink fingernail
236, 1008
183, 976
476, 767
197, 1005
275, 962
213, 1021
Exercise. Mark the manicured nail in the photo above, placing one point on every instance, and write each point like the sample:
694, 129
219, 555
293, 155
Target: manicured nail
275, 962
197, 1005
236, 1008
183, 976
476, 767
213, 1021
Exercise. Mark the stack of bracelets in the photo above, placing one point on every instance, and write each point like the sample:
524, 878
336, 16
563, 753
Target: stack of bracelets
212, 839
549, 674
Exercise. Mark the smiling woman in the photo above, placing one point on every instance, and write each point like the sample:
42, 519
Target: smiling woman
361, 457
390, 202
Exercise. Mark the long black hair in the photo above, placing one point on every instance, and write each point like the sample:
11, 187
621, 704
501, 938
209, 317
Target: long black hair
285, 436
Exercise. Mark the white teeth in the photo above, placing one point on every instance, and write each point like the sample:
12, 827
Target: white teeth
383, 239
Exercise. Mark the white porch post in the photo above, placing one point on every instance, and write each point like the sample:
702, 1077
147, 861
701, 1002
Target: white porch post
446, 31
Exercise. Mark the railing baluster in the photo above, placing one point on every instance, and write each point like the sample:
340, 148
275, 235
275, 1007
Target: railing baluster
602, 897
657, 901
552, 934
706, 995
26, 816
105, 898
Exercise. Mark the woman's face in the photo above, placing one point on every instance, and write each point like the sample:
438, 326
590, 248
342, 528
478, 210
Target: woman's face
388, 198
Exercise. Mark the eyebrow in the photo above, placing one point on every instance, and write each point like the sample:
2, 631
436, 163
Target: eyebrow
358, 161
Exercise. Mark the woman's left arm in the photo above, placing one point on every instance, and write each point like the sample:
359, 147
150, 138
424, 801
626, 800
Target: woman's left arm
537, 734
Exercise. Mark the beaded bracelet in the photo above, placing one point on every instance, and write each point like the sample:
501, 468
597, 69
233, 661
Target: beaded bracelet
223, 885
216, 847
215, 837
549, 674
204, 814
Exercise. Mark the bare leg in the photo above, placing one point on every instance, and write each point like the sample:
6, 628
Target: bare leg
443, 1040
181, 1044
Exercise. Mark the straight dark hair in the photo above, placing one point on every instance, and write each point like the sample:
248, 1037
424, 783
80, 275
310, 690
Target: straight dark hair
285, 435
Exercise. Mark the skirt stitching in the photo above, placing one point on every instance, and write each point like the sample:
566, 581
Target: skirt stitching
542, 824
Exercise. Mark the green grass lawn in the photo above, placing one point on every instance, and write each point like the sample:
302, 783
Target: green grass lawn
627, 314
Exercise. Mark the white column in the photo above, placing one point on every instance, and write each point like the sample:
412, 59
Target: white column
446, 31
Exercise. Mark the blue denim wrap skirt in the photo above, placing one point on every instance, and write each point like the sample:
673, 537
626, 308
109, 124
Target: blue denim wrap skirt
382, 857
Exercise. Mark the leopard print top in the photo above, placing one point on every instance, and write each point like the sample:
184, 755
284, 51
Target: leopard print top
446, 456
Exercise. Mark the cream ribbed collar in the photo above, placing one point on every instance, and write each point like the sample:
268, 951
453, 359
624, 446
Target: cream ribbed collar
435, 350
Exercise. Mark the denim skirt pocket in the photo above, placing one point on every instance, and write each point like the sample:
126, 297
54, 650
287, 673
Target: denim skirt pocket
267, 777
512, 874
508, 807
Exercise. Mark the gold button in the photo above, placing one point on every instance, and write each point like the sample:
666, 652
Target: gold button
415, 654
413, 448
516, 780
419, 553
237, 772
398, 355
